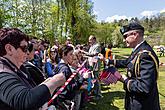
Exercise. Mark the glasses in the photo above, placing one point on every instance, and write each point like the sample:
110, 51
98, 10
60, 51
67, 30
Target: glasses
127, 35
24, 48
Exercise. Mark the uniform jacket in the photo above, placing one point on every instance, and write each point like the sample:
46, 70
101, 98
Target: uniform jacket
141, 85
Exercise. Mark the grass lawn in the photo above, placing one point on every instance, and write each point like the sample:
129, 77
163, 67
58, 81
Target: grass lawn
114, 94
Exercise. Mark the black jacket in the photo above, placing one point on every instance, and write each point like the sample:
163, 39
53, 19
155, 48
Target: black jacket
141, 85
63, 100
34, 72
17, 91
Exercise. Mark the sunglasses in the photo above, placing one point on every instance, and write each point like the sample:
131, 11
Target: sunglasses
33, 42
127, 35
24, 48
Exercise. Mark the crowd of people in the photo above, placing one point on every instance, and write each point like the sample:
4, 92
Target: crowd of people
35, 75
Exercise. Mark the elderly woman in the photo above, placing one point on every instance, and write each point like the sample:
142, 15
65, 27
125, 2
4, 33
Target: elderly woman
64, 100
17, 91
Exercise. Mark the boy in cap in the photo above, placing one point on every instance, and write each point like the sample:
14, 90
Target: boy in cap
140, 83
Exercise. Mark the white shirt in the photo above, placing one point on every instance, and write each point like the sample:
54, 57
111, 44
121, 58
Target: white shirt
138, 45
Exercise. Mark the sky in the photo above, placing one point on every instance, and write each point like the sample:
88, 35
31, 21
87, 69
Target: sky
108, 10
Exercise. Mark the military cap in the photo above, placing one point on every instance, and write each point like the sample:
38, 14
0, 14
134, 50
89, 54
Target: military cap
131, 26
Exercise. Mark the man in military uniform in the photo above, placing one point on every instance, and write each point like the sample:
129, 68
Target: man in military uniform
140, 83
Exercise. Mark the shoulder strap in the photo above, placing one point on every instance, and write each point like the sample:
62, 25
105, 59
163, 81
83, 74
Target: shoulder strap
137, 62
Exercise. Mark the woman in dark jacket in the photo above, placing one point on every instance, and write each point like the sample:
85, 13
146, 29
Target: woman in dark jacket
28, 67
18, 91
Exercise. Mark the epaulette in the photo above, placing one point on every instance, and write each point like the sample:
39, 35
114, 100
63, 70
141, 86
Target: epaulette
137, 62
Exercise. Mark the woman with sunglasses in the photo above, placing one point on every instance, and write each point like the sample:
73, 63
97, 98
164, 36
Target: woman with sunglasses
18, 92
51, 62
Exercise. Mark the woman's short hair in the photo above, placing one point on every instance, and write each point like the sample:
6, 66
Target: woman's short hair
65, 50
11, 36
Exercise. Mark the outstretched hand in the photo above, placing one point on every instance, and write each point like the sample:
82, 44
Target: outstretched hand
101, 57
54, 82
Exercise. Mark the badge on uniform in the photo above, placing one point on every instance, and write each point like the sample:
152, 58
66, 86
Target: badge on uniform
129, 74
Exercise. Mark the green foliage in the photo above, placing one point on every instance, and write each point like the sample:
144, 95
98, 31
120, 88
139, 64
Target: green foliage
154, 30
117, 38
48, 19
1, 18
103, 32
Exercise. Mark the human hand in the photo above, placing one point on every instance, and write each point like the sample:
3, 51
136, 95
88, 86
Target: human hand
59, 79
84, 86
101, 57
123, 78
54, 82
86, 74
82, 51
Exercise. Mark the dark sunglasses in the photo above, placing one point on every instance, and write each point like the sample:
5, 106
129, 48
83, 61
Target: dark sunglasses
127, 35
33, 42
24, 48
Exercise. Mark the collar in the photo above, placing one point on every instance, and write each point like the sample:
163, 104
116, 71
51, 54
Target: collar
12, 67
62, 61
10, 64
93, 44
138, 45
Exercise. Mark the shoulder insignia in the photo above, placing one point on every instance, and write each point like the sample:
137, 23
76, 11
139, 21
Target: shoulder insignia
137, 62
